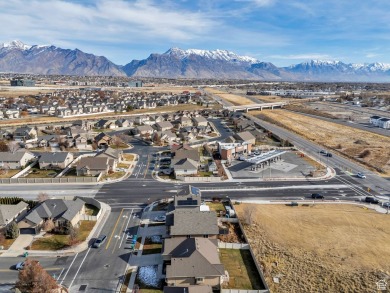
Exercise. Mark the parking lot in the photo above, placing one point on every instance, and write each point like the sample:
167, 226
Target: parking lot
289, 166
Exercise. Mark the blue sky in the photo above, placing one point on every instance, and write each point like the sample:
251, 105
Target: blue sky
283, 32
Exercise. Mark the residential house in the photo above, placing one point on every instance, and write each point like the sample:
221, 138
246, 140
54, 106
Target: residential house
92, 166
102, 140
164, 126
193, 261
105, 124
189, 197
9, 212
200, 121
123, 123
185, 167
56, 160
16, 160
185, 121
81, 141
58, 210
144, 130
246, 137
25, 134
114, 156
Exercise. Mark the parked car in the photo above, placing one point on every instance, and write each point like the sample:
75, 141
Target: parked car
317, 196
361, 175
160, 218
99, 241
371, 199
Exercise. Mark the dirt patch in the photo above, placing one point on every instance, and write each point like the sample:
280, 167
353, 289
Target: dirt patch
234, 99
234, 233
320, 248
335, 136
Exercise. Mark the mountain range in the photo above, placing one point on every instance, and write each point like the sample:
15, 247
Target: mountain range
17, 57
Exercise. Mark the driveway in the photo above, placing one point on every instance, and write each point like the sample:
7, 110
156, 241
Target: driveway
18, 247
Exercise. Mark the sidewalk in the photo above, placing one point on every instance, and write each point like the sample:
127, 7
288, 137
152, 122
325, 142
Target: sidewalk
17, 248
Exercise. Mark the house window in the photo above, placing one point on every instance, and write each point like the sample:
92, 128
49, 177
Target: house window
199, 280
205, 236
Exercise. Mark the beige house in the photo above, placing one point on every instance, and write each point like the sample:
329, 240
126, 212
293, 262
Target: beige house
9, 212
16, 160
193, 261
58, 210
93, 166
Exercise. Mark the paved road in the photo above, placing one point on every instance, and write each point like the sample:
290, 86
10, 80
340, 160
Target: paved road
373, 181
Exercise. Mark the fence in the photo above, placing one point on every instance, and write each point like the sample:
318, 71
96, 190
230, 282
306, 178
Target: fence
49, 180
230, 220
198, 179
94, 202
242, 291
244, 246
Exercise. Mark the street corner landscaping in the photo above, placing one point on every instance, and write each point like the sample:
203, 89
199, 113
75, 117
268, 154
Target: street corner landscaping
52, 241
147, 279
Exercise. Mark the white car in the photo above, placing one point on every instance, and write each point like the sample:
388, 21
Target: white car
361, 175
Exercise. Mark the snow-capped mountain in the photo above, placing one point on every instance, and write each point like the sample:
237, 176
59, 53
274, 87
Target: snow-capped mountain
21, 58
211, 54
18, 57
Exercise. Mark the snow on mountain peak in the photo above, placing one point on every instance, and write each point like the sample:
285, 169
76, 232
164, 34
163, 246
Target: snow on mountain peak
16, 44
211, 54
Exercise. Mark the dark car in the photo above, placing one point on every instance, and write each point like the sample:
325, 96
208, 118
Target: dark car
371, 199
329, 155
317, 196
99, 241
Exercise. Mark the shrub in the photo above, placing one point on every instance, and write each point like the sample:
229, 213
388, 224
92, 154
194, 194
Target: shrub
12, 231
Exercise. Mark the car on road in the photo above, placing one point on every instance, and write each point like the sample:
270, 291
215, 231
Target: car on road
323, 152
19, 266
371, 199
99, 241
329, 155
361, 175
386, 204
317, 196
160, 218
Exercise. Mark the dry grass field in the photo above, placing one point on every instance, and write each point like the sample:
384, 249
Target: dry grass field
274, 99
234, 99
366, 147
320, 248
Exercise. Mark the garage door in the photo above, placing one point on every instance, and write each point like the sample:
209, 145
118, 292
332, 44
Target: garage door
27, 231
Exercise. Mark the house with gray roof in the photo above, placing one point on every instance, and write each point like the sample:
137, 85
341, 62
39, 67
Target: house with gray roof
16, 160
192, 223
56, 160
92, 166
58, 210
185, 167
9, 212
188, 289
193, 261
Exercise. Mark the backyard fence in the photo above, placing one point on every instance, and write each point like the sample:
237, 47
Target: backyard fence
226, 245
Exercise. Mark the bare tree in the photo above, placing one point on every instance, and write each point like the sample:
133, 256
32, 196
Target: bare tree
33, 278
117, 141
13, 146
249, 212
73, 236
48, 225
42, 196
3, 146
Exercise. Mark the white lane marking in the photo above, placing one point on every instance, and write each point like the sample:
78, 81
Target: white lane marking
69, 268
60, 274
70, 286
127, 225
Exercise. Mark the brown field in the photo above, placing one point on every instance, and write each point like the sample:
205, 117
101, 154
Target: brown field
37, 120
234, 99
349, 141
274, 99
23, 92
320, 248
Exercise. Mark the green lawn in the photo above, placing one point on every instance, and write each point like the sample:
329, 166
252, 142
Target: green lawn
242, 269
205, 174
